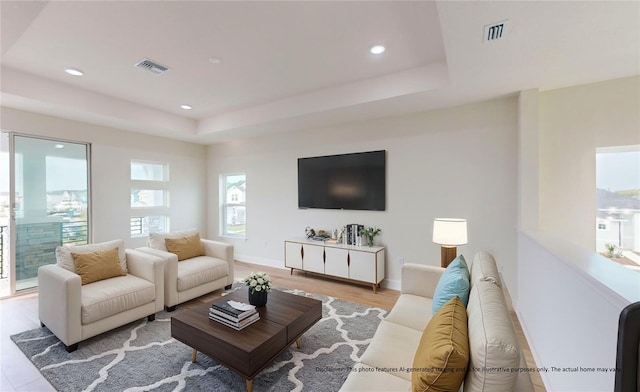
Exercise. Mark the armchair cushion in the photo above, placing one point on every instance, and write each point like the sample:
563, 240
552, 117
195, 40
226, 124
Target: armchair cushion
185, 247
105, 298
200, 270
98, 265
156, 240
65, 260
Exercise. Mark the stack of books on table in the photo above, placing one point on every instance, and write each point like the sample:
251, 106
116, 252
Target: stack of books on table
233, 314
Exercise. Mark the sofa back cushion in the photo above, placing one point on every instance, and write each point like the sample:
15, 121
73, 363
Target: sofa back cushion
493, 342
454, 281
484, 268
443, 352
65, 260
156, 240
185, 247
98, 265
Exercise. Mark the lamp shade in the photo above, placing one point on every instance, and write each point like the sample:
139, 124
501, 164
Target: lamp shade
449, 231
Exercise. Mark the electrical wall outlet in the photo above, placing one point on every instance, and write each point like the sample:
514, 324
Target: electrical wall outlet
400, 261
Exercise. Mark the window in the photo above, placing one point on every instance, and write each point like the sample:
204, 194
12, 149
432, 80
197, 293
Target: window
149, 198
233, 194
618, 200
148, 171
143, 225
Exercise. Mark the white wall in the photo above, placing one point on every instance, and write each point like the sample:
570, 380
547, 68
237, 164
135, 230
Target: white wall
112, 151
458, 162
569, 306
574, 121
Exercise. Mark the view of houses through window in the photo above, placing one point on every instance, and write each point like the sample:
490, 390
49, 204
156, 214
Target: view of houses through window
234, 209
149, 198
618, 203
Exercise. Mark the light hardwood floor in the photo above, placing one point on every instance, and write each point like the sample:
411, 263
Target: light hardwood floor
21, 313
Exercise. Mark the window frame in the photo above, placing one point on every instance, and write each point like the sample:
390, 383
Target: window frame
224, 205
139, 212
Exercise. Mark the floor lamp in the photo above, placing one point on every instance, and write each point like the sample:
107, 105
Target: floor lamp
449, 233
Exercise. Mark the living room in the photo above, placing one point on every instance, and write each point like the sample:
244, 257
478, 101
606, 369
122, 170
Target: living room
507, 160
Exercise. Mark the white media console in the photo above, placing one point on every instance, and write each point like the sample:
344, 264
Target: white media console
362, 264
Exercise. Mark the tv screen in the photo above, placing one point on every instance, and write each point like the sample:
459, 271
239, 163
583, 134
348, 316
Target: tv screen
349, 181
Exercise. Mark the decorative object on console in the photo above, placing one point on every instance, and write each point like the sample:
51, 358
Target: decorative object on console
309, 232
259, 285
353, 234
370, 233
449, 233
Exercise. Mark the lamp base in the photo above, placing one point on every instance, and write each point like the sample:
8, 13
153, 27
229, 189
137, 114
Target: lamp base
447, 254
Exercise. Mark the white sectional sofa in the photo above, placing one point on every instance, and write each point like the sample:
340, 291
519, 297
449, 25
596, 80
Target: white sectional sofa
496, 363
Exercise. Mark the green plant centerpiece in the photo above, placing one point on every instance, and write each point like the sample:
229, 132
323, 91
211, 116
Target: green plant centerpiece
613, 251
259, 284
370, 233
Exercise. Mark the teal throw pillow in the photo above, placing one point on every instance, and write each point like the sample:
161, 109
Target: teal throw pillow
454, 281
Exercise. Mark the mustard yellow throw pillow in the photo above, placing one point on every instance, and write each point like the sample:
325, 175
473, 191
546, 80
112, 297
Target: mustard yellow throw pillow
441, 361
185, 247
98, 265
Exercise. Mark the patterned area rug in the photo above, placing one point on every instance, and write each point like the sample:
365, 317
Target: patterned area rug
142, 356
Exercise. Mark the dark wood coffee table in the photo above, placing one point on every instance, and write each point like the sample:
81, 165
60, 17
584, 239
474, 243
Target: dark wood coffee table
282, 321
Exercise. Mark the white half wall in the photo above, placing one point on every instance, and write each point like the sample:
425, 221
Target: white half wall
459, 162
111, 153
569, 307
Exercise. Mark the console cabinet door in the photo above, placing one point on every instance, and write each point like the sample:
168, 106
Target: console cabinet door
313, 258
362, 266
293, 255
336, 262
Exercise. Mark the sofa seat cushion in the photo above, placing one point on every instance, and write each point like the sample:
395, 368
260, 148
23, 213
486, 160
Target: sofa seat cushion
492, 340
199, 270
367, 378
393, 347
411, 311
105, 298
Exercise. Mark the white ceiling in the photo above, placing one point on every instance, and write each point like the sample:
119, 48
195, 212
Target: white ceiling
297, 65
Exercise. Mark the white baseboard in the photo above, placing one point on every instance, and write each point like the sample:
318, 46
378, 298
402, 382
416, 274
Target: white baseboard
261, 261
391, 284
532, 348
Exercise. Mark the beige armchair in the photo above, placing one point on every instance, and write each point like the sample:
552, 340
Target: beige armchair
190, 276
74, 311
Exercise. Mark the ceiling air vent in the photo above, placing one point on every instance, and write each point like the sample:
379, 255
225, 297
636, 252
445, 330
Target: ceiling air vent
494, 31
152, 66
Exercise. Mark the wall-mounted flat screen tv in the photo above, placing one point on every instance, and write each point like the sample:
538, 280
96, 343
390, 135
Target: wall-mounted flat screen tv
349, 181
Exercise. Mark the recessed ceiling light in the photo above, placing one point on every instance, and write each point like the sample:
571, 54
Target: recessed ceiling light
73, 71
215, 60
377, 49
59, 146
186, 107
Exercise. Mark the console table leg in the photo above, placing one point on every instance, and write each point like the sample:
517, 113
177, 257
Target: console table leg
249, 385
193, 355
291, 273
298, 342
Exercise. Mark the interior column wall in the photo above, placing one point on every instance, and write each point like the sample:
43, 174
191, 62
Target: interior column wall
574, 121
